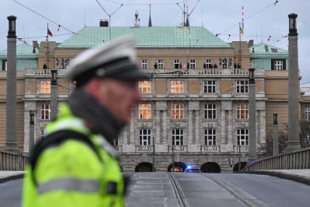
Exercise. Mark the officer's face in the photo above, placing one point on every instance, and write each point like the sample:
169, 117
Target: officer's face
120, 97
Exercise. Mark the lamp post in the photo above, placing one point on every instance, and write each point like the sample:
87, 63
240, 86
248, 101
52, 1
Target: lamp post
252, 116
54, 102
172, 158
293, 142
31, 130
11, 120
153, 155
275, 135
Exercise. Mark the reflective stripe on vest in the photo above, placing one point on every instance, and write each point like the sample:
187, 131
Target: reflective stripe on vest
70, 184
67, 124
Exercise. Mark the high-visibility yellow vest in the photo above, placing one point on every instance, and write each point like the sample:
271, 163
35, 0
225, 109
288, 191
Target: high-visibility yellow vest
70, 174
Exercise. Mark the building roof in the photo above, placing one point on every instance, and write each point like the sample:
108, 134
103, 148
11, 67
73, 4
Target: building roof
263, 49
23, 50
147, 37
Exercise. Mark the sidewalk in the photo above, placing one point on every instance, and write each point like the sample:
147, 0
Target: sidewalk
302, 176
10, 175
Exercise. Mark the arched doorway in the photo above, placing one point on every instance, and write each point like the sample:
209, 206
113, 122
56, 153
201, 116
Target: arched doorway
210, 167
144, 167
178, 167
236, 166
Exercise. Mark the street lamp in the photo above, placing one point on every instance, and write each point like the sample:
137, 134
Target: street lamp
252, 116
275, 135
31, 130
12, 27
292, 24
54, 77
54, 104
251, 75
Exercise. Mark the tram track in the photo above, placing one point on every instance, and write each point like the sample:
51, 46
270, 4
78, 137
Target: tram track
178, 191
235, 192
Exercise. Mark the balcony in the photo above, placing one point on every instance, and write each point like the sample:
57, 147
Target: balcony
144, 148
210, 148
177, 148
244, 148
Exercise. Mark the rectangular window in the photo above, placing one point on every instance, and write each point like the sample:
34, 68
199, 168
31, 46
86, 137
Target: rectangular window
242, 111
45, 112
145, 137
177, 64
115, 142
177, 86
177, 111
210, 111
307, 113
278, 64
210, 137
242, 87
242, 137
144, 64
42, 132
208, 63
192, 64
177, 136
160, 64
145, 86
45, 87
4, 65
209, 86
145, 111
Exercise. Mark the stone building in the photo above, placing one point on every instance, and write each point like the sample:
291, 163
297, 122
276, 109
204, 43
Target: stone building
194, 109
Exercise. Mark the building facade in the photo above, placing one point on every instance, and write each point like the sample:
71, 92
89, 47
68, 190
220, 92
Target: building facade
195, 107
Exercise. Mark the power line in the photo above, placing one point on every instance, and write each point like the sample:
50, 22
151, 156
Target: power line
135, 4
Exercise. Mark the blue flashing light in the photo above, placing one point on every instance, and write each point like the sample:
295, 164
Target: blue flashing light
189, 167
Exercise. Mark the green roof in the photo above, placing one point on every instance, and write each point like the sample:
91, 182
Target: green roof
147, 37
22, 51
263, 49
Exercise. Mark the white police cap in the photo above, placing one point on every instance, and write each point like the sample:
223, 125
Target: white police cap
115, 60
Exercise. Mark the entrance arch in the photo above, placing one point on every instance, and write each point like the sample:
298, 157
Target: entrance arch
144, 167
210, 167
178, 167
236, 166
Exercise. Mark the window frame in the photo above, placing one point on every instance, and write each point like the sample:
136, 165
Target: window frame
209, 84
160, 64
145, 137
192, 64
145, 111
145, 87
177, 111
45, 87
242, 86
177, 138
307, 113
242, 110
177, 86
45, 112
208, 63
144, 64
242, 137
210, 136
210, 111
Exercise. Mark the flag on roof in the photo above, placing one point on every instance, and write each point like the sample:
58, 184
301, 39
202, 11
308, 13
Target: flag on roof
49, 32
240, 30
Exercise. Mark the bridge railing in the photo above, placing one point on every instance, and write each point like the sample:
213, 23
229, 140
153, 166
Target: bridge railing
11, 161
299, 159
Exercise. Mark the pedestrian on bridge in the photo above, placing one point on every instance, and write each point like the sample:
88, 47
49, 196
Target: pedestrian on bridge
76, 164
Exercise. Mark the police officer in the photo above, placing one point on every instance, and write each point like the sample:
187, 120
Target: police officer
75, 164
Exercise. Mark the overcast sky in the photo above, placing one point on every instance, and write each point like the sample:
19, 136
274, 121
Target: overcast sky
262, 19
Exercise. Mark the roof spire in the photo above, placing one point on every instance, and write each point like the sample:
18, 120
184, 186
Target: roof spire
150, 17
187, 18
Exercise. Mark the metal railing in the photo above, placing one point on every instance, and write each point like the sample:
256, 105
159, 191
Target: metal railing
10, 161
299, 159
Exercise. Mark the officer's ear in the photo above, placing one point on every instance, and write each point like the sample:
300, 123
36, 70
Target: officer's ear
92, 86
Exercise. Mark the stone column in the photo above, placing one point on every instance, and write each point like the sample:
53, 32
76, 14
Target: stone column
293, 142
164, 127
197, 119
132, 129
11, 119
230, 131
157, 118
223, 127
190, 127
252, 117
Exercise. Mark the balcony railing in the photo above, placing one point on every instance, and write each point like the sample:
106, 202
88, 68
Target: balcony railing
177, 148
244, 148
210, 148
10, 161
145, 148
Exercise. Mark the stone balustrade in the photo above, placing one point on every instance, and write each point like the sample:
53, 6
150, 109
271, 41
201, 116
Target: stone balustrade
10, 161
299, 159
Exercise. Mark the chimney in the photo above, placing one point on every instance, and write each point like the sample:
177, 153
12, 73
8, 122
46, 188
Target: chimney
104, 23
